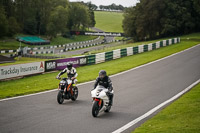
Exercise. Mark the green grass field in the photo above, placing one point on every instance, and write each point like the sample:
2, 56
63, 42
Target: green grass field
182, 116
11, 43
109, 21
47, 81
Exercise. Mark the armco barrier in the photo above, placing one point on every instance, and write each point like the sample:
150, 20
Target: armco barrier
161, 44
150, 47
109, 56
118, 53
129, 51
164, 43
140, 48
8, 51
100, 58
145, 48
135, 50
170, 41
157, 45
154, 46
67, 49
64, 45
167, 42
123, 52
91, 59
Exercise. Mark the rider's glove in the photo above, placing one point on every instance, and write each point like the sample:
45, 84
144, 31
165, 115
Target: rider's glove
58, 77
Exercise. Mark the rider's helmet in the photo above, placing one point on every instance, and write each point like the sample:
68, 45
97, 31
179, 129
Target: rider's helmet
102, 74
69, 65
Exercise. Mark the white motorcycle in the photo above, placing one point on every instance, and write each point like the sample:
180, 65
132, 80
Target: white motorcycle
100, 100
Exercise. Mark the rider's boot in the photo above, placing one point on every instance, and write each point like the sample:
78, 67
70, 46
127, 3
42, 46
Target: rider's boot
110, 99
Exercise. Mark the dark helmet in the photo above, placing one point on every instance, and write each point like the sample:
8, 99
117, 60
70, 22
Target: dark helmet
69, 65
102, 74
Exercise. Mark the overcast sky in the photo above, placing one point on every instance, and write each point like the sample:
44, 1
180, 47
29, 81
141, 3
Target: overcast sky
126, 3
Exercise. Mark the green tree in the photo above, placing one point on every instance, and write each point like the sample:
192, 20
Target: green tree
79, 18
196, 13
49, 17
178, 17
13, 26
91, 7
58, 21
128, 23
3, 22
155, 18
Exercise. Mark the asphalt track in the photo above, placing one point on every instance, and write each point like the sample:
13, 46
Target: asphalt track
136, 92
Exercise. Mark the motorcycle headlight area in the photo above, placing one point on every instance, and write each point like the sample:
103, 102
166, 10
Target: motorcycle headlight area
62, 82
98, 91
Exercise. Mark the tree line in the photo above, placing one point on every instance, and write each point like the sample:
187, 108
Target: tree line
112, 7
105, 7
152, 19
44, 17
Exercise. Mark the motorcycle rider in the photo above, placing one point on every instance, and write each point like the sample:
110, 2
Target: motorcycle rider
71, 73
105, 81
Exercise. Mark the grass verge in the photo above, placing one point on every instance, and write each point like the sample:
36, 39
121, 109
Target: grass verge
182, 116
47, 81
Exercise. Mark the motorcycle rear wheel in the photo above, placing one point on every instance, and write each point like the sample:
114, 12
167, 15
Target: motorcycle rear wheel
95, 109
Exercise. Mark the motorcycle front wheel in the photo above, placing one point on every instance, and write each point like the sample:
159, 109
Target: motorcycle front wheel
60, 97
95, 109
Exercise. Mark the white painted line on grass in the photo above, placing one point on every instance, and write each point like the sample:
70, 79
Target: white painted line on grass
132, 123
110, 76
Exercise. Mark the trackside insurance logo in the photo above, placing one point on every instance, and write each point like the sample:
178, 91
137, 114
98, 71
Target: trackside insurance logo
21, 69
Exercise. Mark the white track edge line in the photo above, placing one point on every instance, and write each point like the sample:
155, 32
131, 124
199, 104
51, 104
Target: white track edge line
6, 99
135, 121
